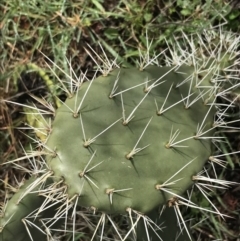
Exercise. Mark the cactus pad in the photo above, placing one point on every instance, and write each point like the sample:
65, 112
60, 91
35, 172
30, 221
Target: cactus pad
124, 136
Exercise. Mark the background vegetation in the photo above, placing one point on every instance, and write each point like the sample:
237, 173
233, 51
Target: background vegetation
66, 28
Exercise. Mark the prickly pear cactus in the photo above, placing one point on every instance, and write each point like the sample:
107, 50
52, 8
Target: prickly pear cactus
128, 142
129, 135
21, 219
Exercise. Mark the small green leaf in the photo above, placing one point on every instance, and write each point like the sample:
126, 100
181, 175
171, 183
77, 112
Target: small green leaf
111, 33
147, 17
185, 12
86, 22
233, 15
98, 5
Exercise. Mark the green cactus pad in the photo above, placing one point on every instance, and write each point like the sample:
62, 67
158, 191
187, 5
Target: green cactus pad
94, 133
18, 221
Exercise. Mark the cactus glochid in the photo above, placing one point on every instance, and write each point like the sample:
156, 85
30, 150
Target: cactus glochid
128, 142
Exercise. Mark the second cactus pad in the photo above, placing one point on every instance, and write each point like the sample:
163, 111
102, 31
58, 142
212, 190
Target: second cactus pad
132, 139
